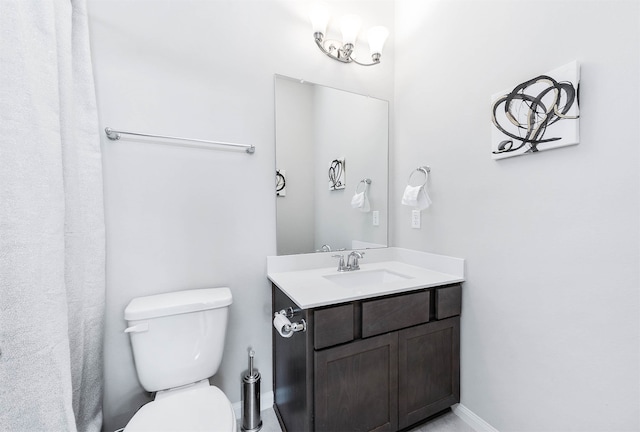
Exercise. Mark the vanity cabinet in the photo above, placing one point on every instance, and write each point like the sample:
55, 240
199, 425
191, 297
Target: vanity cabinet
380, 364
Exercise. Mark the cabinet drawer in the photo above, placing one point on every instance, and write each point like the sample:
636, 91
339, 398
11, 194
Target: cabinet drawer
448, 301
332, 326
394, 313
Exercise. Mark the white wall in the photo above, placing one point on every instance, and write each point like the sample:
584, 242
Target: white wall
187, 218
550, 334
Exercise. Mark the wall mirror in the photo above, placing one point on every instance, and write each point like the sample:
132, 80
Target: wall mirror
331, 146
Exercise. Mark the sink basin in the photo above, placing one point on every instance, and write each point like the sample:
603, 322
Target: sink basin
370, 277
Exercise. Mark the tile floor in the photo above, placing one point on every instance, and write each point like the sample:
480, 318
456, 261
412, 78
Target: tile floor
446, 423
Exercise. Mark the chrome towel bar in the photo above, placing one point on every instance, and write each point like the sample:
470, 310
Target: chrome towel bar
115, 135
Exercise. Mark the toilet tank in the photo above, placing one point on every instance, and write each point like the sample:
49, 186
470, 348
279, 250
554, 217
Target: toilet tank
178, 338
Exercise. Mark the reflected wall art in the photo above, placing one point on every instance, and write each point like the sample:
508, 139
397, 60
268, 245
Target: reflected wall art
539, 114
281, 183
337, 174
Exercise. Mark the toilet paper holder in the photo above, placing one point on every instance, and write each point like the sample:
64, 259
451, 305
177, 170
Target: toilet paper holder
300, 326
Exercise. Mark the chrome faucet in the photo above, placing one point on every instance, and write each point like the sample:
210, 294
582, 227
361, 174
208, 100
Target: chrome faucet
356, 255
351, 265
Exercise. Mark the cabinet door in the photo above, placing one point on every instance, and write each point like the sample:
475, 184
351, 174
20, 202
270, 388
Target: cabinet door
356, 386
429, 370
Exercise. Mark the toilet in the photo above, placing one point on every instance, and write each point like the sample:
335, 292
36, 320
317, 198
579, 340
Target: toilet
177, 340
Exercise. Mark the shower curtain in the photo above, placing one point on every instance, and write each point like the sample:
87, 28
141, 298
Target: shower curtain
52, 251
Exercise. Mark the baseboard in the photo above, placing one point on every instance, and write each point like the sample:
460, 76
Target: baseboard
266, 402
472, 419
464, 413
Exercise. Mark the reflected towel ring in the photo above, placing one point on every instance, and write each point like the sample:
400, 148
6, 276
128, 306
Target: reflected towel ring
424, 169
365, 181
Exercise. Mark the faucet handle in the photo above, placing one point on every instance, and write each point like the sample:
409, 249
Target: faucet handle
341, 266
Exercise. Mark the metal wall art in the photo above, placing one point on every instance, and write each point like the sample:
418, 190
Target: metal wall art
539, 114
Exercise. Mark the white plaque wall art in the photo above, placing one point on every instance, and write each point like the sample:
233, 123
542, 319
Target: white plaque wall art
539, 114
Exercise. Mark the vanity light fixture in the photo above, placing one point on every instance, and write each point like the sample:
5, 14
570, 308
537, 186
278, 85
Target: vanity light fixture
350, 27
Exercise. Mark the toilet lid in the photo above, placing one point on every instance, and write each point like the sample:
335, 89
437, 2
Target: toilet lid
200, 409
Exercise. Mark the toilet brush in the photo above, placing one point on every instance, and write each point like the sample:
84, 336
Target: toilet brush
251, 398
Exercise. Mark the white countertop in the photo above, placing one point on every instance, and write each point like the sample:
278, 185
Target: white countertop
302, 277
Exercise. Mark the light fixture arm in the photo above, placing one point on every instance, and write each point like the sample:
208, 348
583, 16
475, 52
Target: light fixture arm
341, 52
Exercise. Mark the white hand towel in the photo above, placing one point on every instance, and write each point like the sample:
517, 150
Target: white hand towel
360, 201
416, 196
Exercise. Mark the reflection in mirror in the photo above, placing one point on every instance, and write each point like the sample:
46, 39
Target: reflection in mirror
331, 168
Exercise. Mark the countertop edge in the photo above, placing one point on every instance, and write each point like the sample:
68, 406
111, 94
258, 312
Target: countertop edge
365, 297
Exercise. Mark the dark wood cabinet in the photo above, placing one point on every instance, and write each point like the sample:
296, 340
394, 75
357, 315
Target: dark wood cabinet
429, 370
356, 386
379, 364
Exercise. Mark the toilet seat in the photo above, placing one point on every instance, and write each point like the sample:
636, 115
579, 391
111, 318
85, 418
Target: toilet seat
198, 409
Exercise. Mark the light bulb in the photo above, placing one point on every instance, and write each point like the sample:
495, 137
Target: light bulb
377, 37
319, 18
350, 26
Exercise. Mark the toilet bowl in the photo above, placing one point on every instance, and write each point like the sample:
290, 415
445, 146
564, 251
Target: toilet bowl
200, 408
177, 341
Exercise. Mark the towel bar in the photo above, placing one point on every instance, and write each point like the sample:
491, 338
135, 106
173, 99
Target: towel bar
114, 135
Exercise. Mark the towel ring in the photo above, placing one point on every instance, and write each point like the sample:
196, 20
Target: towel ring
365, 181
424, 169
